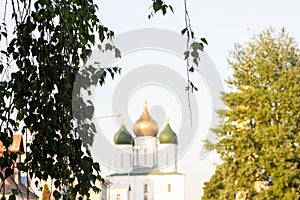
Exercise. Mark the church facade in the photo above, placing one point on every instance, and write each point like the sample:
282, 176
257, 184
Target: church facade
146, 163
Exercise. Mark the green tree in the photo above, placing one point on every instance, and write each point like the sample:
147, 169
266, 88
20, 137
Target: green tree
258, 142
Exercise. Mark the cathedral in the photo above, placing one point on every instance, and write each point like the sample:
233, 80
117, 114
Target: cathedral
146, 163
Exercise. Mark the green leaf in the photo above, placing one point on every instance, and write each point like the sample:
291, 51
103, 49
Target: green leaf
15, 191
108, 47
204, 40
197, 46
96, 166
186, 55
195, 54
22, 167
171, 8
157, 6
117, 53
4, 34
192, 34
56, 195
183, 31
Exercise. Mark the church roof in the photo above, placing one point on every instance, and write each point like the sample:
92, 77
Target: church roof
145, 125
145, 171
168, 136
123, 136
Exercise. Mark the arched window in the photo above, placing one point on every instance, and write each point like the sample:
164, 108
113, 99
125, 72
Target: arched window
145, 156
169, 188
145, 188
122, 160
118, 197
167, 159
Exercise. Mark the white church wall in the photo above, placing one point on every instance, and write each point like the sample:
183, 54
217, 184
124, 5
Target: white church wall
140, 187
123, 158
167, 157
119, 192
168, 187
147, 187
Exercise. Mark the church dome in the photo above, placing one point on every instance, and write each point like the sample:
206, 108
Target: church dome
123, 136
168, 136
145, 125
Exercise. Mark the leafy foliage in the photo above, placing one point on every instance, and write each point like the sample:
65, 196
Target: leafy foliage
50, 40
259, 140
159, 5
194, 46
7, 125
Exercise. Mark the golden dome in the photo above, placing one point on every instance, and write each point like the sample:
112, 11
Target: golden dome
145, 125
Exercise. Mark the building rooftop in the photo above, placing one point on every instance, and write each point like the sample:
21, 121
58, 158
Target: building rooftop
143, 171
16, 147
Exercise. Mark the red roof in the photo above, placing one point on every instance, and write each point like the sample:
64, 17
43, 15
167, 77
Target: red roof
17, 146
